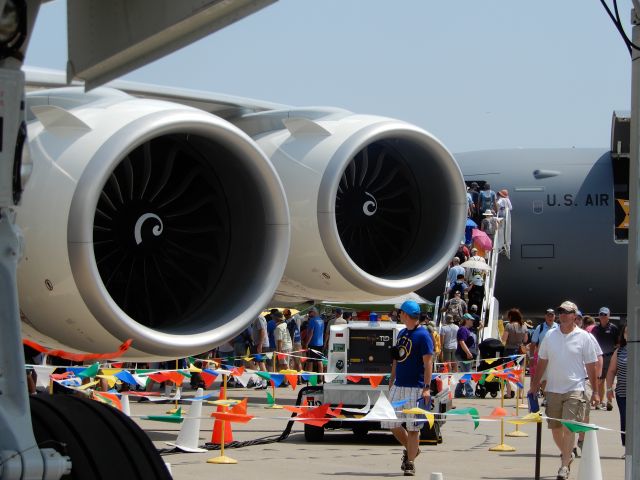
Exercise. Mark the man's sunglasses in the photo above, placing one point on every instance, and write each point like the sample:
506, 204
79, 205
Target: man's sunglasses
560, 311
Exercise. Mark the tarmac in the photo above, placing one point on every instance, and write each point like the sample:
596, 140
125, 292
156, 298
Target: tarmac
463, 455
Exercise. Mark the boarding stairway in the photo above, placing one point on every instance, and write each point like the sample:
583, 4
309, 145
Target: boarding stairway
490, 308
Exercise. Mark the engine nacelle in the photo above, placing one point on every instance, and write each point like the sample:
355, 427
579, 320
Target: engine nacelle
147, 220
377, 205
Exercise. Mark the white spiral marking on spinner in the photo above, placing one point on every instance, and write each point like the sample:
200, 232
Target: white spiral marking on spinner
157, 230
370, 206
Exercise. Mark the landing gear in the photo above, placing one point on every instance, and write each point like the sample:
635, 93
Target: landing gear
102, 442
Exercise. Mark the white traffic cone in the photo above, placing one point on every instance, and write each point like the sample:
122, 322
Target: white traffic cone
124, 401
189, 435
437, 476
590, 468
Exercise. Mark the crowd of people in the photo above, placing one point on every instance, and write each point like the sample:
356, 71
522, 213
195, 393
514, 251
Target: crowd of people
572, 362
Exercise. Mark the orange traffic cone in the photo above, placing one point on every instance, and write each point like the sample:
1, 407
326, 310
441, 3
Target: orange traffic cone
216, 437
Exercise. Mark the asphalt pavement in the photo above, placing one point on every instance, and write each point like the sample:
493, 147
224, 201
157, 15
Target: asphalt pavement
463, 455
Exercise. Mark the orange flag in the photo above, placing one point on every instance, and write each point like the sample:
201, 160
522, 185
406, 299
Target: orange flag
354, 378
231, 417
108, 398
293, 380
374, 380
241, 407
237, 371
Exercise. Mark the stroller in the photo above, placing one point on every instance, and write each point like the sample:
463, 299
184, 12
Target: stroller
490, 348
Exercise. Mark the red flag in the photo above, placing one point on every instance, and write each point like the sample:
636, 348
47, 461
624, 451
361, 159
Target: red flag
354, 378
208, 378
78, 357
316, 416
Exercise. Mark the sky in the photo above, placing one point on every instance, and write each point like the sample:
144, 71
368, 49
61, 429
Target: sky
478, 74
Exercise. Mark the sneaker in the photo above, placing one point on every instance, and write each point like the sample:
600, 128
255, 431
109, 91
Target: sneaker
609, 407
602, 406
409, 469
259, 386
404, 458
563, 473
579, 448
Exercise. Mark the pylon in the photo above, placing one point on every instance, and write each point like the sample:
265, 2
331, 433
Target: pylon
188, 437
590, 468
216, 436
124, 401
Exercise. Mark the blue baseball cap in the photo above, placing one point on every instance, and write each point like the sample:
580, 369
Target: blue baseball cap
373, 316
411, 308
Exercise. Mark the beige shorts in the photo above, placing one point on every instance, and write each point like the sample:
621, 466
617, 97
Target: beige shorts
567, 406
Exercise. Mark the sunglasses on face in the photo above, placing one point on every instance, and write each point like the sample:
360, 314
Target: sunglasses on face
562, 311
603, 315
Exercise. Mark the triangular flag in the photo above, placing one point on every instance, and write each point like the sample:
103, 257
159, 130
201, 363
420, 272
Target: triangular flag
277, 379
173, 418
108, 398
126, 377
464, 411
375, 380
337, 411
265, 375
315, 416
354, 378
293, 380
313, 380
89, 372
241, 407
270, 399
576, 428
208, 378
382, 409
194, 369
232, 417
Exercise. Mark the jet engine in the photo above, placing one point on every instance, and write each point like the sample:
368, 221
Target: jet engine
377, 206
148, 220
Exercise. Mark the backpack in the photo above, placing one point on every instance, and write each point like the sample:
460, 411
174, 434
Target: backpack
455, 309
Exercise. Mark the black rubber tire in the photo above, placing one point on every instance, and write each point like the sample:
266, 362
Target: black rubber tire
103, 443
493, 394
313, 433
360, 430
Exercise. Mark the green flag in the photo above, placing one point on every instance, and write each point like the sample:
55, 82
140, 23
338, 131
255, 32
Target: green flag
471, 411
89, 372
270, 399
264, 375
313, 380
575, 428
173, 418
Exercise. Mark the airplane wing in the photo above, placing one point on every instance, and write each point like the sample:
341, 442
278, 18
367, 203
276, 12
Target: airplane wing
224, 106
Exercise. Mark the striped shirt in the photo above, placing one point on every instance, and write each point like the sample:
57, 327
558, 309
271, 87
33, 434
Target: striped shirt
621, 384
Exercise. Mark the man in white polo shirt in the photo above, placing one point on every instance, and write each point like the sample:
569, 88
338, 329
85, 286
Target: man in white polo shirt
567, 355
